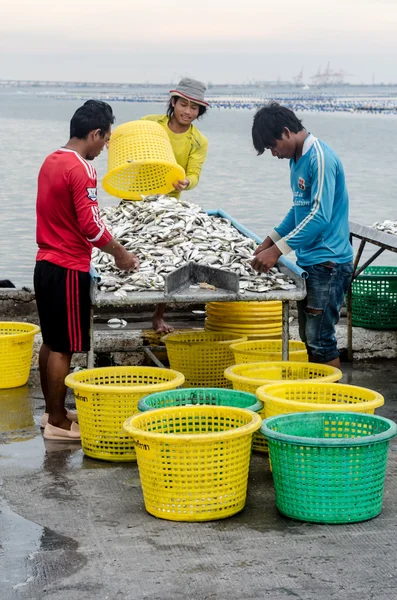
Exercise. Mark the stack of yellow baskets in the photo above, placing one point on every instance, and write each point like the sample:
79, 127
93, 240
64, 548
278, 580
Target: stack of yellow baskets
256, 320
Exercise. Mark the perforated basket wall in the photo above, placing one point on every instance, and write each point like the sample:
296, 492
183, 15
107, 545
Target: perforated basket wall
140, 161
329, 467
193, 460
267, 350
106, 397
250, 376
374, 298
16, 347
202, 356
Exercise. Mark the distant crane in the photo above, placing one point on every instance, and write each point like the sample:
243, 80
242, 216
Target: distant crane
329, 77
298, 79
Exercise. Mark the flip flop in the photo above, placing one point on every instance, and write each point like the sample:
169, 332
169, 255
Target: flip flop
58, 434
72, 416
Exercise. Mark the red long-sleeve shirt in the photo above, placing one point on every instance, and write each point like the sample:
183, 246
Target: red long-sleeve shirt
68, 218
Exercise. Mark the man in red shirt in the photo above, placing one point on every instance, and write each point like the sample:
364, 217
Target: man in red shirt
68, 225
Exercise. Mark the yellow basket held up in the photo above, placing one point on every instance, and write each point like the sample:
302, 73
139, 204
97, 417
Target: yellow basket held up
106, 397
267, 350
140, 161
16, 348
306, 396
202, 356
249, 377
193, 460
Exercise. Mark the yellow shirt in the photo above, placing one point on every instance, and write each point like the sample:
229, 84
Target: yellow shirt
190, 150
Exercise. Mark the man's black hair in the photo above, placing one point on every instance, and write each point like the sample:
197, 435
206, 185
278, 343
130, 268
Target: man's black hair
94, 114
269, 124
170, 109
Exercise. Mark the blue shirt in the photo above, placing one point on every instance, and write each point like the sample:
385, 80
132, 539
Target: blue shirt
317, 225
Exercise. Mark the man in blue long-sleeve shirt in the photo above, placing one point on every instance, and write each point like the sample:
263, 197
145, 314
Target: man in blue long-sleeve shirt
316, 226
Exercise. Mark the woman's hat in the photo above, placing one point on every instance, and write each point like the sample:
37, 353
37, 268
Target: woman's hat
191, 89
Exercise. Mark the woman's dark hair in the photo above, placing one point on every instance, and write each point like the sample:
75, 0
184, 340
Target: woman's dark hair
170, 109
269, 124
94, 114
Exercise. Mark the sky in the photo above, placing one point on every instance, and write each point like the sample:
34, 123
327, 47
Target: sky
218, 41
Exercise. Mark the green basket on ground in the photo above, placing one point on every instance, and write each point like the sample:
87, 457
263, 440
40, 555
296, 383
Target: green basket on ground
374, 298
329, 467
195, 396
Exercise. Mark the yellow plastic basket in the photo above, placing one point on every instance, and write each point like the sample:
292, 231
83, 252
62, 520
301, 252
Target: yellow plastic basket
248, 377
140, 161
267, 350
193, 460
16, 347
106, 397
307, 396
202, 356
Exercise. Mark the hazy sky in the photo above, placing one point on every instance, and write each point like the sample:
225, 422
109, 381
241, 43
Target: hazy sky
213, 40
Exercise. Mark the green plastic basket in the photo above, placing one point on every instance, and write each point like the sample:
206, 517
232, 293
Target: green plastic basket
209, 396
374, 298
329, 467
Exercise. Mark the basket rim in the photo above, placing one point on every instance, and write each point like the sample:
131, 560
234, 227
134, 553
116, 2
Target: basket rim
166, 339
230, 374
33, 329
366, 274
71, 381
205, 438
259, 351
377, 400
256, 405
329, 442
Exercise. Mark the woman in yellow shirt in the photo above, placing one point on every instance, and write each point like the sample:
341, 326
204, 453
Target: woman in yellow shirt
190, 147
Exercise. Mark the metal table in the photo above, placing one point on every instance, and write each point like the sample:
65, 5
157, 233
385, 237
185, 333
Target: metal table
105, 300
384, 241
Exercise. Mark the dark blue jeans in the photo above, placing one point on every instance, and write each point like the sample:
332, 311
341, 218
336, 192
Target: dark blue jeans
319, 312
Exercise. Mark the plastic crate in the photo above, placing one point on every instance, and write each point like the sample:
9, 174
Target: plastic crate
374, 298
329, 467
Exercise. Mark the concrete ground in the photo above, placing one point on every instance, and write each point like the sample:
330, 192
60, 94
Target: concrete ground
76, 528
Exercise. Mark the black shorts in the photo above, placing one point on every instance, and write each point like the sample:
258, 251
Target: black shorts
63, 303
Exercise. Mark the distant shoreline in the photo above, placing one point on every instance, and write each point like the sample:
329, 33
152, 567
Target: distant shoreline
315, 103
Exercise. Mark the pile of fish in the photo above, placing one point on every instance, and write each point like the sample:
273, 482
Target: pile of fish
165, 234
386, 227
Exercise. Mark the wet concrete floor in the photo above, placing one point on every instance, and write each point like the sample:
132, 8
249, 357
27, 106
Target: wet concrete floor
75, 528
